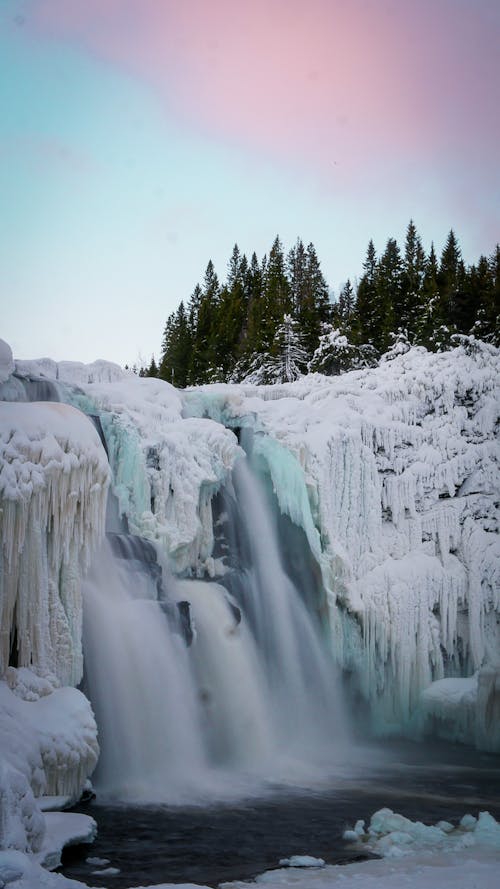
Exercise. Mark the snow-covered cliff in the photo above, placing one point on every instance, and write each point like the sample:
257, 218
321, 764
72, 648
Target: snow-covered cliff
401, 468
400, 465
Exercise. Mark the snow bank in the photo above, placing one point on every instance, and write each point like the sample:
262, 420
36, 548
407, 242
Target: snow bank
464, 871
53, 486
19, 871
414, 856
393, 836
64, 829
48, 744
400, 467
52, 740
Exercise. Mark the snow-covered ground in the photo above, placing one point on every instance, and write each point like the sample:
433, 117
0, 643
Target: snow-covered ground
414, 856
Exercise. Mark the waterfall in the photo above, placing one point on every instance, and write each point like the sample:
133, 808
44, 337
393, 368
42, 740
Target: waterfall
242, 694
138, 678
304, 698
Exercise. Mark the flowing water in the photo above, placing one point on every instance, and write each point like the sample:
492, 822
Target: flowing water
225, 744
211, 844
253, 700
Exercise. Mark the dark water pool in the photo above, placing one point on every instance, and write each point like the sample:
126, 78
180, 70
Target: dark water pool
209, 845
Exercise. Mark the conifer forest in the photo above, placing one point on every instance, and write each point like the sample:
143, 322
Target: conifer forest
274, 319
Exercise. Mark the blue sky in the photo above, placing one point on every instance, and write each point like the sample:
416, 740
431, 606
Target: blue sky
116, 189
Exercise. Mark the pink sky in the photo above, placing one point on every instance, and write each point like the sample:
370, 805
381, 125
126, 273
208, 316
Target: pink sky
343, 83
142, 137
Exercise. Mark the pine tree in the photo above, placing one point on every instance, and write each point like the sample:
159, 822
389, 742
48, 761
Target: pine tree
346, 305
388, 287
485, 295
491, 305
176, 349
193, 309
412, 280
448, 278
204, 356
429, 315
365, 309
252, 331
232, 313
277, 297
152, 370
336, 354
290, 356
297, 274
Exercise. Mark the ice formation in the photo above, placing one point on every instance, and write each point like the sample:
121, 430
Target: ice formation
165, 468
53, 486
394, 836
400, 466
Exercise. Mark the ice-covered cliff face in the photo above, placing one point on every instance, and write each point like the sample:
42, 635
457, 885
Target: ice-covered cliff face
394, 478
393, 475
166, 469
54, 477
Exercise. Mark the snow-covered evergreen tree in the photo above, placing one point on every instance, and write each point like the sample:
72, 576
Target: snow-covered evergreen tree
290, 358
336, 355
400, 345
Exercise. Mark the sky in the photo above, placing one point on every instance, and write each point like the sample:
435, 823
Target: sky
141, 138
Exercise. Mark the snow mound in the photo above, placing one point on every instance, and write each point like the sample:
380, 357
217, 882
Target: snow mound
72, 372
302, 861
64, 829
393, 836
52, 740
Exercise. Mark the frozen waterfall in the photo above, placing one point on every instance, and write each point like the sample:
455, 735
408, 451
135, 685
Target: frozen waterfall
248, 695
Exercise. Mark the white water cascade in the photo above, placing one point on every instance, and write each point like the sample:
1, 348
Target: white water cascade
138, 678
301, 677
251, 700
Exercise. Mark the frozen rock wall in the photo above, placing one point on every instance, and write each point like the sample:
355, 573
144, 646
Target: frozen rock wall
400, 464
54, 477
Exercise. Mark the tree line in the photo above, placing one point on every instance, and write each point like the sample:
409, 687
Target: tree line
272, 320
